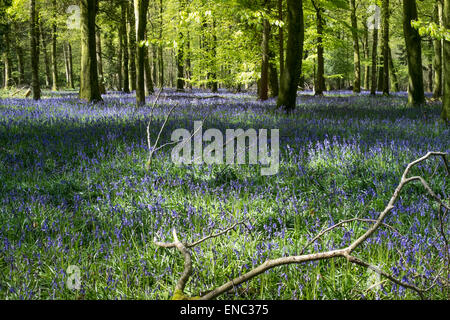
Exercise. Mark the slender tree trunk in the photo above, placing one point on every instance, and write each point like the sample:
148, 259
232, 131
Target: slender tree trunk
188, 61
430, 77
34, 46
264, 82
70, 57
120, 64
131, 46
160, 48
213, 73
66, 63
125, 48
89, 87
154, 63
179, 59
281, 37
273, 75
393, 73
356, 53
446, 47
366, 57
140, 11
294, 50
101, 78
385, 46
7, 61
45, 54
54, 53
319, 86
416, 95
380, 73
20, 64
373, 88
149, 89
437, 59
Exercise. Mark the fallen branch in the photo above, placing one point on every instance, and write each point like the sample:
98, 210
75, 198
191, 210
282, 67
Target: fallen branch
338, 253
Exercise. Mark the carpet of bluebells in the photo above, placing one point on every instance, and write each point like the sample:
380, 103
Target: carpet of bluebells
74, 191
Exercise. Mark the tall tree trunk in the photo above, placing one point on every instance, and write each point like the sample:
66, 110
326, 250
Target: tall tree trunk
149, 89
319, 85
70, 57
20, 64
437, 59
264, 82
120, 63
34, 46
98, 45
393, 73
294, 50
356, 53
188, 61
124, 41
45, 54
281, 37
373, 88
385, 46
366, 57
446, 47
213, 73
54, 53
416, 95
131, 47
160, 48
89, 87
381, 73
7, 61
179, 59
140, 11
66, 63
273, 75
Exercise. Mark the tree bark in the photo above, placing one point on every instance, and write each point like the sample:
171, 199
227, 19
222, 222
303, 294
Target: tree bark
69, 51
356, 53
149, 89
380, 83
45, 54
7, 61
416, 95
125, 84
66, 63
385, 46
366, 56
89, 87
281, 37
293, 67
273, 75
160, 48
179, 59
393, 73
101, 78
213, 72
131, 47
264, 82
34, 47
140, 11
20, 64
319, 85
373, 88
437, 59
54, 53
446, 47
